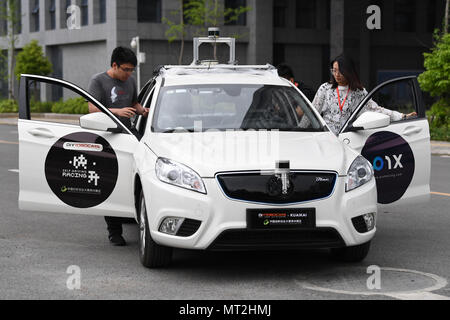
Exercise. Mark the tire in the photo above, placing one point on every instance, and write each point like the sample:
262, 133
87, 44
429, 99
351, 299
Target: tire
151, 254
351, 254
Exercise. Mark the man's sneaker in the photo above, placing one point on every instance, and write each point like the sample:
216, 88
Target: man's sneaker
117, 240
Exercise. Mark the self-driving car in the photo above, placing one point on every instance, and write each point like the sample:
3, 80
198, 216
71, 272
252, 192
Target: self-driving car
229, 158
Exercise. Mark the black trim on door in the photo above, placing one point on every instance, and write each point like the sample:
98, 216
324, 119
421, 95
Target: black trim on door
24, 98
418, 100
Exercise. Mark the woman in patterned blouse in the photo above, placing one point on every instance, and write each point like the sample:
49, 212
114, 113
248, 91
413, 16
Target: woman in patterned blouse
336, 100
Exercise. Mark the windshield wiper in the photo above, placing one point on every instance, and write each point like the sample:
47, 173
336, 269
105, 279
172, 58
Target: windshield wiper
178, 130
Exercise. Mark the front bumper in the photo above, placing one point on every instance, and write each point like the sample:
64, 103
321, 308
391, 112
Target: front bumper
224, 221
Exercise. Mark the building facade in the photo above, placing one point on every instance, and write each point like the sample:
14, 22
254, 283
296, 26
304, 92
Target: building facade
302, 33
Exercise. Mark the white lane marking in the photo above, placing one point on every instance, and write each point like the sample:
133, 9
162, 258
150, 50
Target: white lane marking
418, 296
401, 295
8, 142
14, 170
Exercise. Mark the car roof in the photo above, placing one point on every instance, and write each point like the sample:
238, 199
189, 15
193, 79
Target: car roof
221, 74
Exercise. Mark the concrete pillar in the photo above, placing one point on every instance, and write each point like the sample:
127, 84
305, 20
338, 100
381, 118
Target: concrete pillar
111, 16
364, 47
260, 22
337, 19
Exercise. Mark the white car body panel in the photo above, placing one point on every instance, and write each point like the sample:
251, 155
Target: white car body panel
211, 152
419, 141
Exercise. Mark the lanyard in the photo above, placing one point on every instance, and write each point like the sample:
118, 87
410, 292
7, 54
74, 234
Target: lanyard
339, 99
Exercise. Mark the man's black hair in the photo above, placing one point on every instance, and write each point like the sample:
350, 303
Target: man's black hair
285, 71
123, 55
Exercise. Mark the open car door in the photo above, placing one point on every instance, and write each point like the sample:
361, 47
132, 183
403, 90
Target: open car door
399, 150
65, 168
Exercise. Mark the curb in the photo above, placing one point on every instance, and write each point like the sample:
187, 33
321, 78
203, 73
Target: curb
11, 118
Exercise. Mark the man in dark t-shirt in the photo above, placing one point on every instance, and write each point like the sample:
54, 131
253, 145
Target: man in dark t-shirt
116, 90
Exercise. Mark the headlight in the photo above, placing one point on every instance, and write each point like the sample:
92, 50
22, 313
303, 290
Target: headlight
179, 175
360, 172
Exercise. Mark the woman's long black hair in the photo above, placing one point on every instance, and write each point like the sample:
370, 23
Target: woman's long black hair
348, 70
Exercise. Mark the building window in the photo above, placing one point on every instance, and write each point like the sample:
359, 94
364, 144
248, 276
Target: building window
306, 14
52, 15
18, 9
99, 11
149, 11
328, 13
102, 11
84, 12
431, 15
64, 16
279, 55
34, 27
4, 22
404, 15
236, 4
279, 14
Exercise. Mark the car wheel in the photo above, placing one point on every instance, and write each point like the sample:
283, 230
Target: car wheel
351, 254
152, 255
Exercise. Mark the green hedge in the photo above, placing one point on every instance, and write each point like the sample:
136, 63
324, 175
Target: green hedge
440, 134
9, 106
70, 106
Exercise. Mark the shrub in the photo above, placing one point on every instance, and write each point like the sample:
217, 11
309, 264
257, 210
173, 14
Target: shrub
71, 106
9, 106
40, 107
440, 113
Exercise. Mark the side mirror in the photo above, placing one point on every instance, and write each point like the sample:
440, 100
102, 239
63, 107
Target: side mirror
371, 120
99, 121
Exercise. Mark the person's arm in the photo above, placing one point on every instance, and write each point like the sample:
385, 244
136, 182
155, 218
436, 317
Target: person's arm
141, 110
123, 112
319, 99
395, 116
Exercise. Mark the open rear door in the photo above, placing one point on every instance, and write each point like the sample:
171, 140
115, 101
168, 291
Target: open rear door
400, 153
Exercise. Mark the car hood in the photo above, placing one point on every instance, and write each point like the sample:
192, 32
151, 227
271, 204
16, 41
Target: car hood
208, 153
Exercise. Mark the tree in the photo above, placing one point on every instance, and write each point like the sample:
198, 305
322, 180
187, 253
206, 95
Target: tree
31, 60
436, 78
10, 12
199, 14
176, 30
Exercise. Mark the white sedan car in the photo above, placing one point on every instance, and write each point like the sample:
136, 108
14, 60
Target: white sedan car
229, 158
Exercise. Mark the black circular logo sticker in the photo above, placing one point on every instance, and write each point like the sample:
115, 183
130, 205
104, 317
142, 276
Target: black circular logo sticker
81, 169
393, 163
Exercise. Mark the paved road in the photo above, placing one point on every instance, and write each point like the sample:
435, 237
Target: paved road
412, 250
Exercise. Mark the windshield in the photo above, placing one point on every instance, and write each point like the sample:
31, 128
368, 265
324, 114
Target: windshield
233, 107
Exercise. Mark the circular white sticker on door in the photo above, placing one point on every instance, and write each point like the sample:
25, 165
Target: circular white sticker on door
82, 169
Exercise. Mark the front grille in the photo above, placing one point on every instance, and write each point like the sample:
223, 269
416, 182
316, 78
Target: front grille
188, 228
360, 224
268, 188
243, 239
